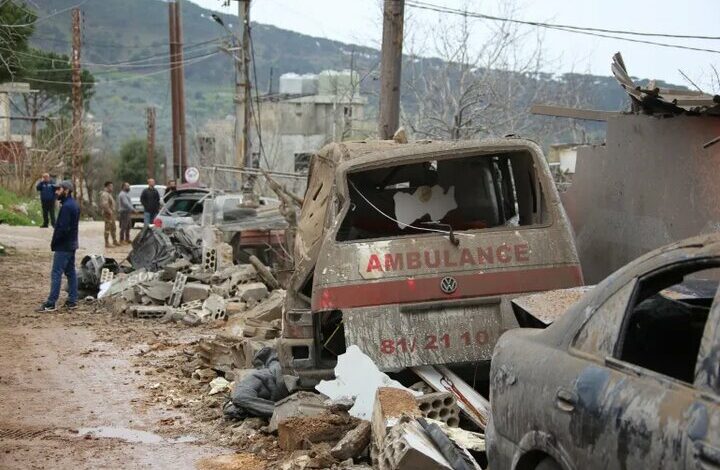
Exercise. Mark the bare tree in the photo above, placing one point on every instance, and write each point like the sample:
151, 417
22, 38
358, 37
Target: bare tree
483, 82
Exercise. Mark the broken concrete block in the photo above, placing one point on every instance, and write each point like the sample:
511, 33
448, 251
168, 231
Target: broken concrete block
260, 329
177, 289
441, 406
224, 253
234, 327
150, 312
213, 308
170, 271
407, 447
353, 443
390, 405
234, 307
253, 291
218, 385
269, 309
221, 354
298, 404
222, 289
204, 375
242, 273
195, 291
303, 431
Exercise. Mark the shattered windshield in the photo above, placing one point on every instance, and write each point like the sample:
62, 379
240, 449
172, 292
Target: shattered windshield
469, 193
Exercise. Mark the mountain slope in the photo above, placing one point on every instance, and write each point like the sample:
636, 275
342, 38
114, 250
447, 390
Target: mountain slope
135, 32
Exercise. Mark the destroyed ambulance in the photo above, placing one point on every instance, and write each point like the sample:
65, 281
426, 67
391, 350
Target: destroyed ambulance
413, 251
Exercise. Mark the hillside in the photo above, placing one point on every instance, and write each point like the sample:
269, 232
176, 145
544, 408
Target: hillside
135, 32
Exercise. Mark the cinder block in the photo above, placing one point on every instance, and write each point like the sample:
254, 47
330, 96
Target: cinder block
390, 405
254, 291
195, 291
407, 447
441, 406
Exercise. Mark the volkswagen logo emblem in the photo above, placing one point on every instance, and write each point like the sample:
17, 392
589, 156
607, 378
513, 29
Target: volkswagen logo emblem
448, 285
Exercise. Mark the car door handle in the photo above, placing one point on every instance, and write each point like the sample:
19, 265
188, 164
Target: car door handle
565, 399
708, 455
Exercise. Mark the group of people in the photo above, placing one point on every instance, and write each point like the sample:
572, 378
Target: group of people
149, 198
64, 242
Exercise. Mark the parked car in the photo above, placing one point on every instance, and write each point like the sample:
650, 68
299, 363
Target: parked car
135, 192
186, 206
628, 378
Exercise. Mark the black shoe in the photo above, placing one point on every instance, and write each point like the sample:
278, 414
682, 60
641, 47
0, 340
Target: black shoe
46, 307
70, 305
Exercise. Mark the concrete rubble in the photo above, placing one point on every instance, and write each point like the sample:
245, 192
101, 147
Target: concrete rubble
179, 278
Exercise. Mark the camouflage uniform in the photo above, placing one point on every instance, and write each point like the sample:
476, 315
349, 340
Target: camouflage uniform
107, 204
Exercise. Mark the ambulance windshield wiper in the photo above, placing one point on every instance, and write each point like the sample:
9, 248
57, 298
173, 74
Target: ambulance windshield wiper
451, 234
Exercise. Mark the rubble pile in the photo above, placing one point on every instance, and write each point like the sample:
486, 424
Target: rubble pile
361, 419
193, 280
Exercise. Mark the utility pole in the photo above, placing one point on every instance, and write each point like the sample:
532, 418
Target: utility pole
173, 91
242, 91
177, 80
150, 142
391, 65
77, 107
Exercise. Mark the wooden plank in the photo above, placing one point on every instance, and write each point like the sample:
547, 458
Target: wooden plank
573, 113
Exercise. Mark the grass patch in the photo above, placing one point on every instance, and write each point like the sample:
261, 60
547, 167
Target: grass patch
9, 202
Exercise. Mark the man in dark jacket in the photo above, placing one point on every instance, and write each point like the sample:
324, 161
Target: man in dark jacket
150, 200
46, 188
64, 244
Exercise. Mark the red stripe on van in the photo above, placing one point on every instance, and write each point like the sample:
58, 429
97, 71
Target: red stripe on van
428, 289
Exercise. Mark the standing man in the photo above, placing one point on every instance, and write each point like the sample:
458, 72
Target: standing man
46, 188
170, 188
64, 244
125, 208
150, 200
107, 205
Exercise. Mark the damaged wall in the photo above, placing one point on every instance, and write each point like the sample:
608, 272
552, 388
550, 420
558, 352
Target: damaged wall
651, 184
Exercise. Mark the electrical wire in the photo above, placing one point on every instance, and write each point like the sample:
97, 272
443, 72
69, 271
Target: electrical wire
131, 63
570, 29
256, 117
430, 6
133, 77
43, 18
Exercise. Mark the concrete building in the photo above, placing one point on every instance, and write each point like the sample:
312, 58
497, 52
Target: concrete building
308, 112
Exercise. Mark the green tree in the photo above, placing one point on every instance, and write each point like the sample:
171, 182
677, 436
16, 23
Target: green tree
51, 75
16, 26
133, 162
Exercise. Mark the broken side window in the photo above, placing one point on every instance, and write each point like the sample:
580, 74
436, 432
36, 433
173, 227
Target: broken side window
469, 193
665, 320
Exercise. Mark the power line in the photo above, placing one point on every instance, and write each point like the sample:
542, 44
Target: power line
598, 32
129, 63
192, 61
38, 20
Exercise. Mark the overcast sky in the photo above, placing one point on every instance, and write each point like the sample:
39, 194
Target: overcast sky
359, 22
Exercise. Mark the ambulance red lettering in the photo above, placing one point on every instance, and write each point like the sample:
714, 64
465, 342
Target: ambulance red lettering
374, 264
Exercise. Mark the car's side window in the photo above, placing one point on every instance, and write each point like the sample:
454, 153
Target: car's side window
665, 320
598, 335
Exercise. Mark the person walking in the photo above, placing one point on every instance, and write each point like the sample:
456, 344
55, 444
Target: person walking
46, 188
64, 244
150, 200
107, 205
125, 208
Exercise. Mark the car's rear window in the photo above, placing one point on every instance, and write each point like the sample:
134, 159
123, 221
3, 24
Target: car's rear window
185, 205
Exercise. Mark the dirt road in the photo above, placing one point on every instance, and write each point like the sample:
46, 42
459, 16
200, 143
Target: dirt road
86, 390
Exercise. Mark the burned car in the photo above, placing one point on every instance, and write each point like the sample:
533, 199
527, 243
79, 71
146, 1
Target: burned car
627, 378
413, 251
